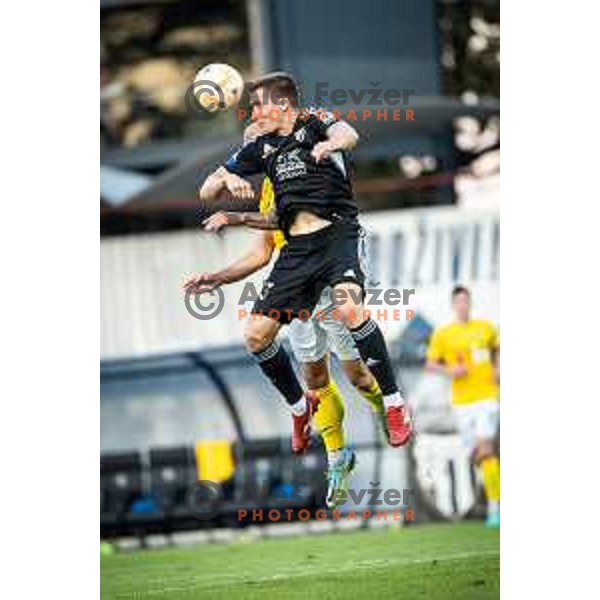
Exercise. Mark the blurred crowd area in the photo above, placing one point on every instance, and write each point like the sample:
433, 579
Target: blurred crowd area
150, 53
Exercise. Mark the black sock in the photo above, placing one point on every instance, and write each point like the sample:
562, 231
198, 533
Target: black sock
276, 365
371, 346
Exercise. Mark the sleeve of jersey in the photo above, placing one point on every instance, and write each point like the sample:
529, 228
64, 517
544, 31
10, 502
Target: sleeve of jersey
322, 120
435, 351
246, 161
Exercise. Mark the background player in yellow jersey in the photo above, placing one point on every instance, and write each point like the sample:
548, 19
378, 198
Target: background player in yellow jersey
467, 350
311, 341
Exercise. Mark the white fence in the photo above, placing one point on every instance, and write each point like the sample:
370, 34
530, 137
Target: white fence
142, 303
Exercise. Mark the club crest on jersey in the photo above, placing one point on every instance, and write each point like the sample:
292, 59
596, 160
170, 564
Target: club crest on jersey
300, 134
268, 149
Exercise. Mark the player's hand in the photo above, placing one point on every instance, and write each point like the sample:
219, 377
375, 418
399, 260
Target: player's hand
221, 219
239, 188
202, 282
458, 371
321, 151
253, 131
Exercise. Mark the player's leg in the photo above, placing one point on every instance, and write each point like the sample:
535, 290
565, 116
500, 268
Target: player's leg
373, 350
283, 295
329, 420
477, 425
329, 417
275, 363
364, 382
309, 344
486, 457
340, 341
342, 271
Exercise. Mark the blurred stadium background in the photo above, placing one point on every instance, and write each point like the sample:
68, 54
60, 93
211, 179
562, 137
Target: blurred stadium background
180, 400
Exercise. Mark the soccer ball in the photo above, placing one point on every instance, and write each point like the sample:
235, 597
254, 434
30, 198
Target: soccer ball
218, 87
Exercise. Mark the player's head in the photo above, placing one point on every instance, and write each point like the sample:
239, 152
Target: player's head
273, 97
461, 303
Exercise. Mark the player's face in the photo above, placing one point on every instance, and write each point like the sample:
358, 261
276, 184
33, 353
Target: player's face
267, 112
461, 305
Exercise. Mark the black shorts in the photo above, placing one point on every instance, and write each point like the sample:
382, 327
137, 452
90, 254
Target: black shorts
306, 266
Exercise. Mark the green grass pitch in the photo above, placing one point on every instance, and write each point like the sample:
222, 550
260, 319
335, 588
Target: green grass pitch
433, 562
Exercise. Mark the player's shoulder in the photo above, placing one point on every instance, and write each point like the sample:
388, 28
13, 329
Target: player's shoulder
318, 115
443, 331
447, 328
483, 324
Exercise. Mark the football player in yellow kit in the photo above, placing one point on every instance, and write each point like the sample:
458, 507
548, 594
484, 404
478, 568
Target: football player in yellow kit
467, 350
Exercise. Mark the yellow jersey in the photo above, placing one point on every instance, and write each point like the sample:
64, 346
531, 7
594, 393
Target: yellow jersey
471, 344
266, 206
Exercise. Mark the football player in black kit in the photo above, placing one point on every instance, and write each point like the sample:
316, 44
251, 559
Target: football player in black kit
303, 154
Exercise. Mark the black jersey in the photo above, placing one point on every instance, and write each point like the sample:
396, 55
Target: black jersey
300, 183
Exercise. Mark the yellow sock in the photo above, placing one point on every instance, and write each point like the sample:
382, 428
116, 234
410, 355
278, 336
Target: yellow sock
329, 417
490, 471
374, 397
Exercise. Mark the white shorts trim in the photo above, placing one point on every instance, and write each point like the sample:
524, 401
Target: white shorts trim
477, 421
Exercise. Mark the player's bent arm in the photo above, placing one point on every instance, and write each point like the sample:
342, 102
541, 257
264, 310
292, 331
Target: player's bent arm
213, 185
342, 136
223, 179
256, 259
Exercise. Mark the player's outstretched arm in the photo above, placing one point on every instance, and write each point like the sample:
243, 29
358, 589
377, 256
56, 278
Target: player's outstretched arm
340, 136
254, 220
255, 260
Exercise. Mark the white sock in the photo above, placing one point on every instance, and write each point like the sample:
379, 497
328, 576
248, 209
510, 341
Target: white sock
393, 400
493, 506
299, 408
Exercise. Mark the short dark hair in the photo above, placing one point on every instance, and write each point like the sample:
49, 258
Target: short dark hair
460, 289
278, 81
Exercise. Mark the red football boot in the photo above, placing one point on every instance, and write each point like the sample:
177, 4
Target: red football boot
399, 425
301, 425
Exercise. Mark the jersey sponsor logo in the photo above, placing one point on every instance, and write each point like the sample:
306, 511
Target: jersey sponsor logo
289, 165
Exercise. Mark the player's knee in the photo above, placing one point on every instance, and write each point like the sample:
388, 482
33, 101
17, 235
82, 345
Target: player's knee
255, 340
315, 375
351, 314
317, 380
483, 450
362, 379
